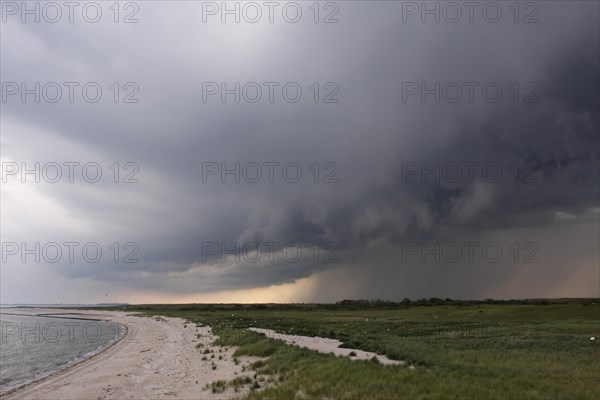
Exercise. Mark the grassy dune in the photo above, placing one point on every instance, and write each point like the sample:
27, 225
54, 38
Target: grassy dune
466, 350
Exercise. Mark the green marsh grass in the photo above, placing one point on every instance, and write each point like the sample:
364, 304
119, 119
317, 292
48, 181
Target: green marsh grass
459, 350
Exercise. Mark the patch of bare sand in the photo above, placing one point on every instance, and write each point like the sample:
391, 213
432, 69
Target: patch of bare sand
325, 345
157, 359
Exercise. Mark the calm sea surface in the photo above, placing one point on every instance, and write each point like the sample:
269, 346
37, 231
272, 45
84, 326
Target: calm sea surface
32, 347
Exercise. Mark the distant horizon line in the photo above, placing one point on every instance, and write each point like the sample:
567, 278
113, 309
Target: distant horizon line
423, 299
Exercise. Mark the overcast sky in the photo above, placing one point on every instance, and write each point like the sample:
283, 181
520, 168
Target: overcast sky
387, 186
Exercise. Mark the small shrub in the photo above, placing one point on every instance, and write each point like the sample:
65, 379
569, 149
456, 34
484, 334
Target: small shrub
218, 386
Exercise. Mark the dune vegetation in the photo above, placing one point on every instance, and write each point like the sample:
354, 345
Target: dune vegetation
533, 349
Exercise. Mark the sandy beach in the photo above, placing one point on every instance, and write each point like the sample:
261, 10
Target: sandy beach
325, 346
157, 359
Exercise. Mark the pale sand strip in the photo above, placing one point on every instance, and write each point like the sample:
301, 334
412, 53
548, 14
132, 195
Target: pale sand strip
156, 360
325, 345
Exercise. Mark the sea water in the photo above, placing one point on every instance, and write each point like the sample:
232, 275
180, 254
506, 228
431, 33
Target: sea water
32, 347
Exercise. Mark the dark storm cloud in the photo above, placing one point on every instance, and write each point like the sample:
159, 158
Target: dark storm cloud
372, 135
